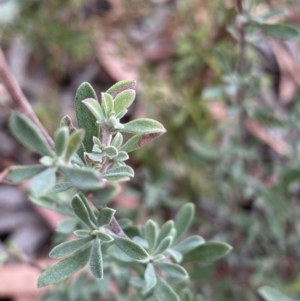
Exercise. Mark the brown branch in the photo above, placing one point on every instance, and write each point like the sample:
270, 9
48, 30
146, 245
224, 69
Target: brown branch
19, 98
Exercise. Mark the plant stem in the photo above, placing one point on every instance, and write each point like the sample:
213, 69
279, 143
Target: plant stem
19, 98
116, 228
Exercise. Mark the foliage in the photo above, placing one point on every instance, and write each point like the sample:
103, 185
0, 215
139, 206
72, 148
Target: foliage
91, 161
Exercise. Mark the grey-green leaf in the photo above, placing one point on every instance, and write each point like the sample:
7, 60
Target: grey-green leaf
104, 237
81, 211
95, 108
184, 218
164, 292
105, 216
85, 179
107, 103
87, 204
165, 231
164, 244
74, 144
18, 174
117, 140
82, 233
69, 247
110, 151
61, 139
64, 268
270, 294
123, 100
121, 86
118, 172
281, 31
28, 134
96, 261
60, 187
189, 244
172, 269
106, 194
42, 183
85, 118
207, 252
143, 126
150, 277
130, 248
151, 234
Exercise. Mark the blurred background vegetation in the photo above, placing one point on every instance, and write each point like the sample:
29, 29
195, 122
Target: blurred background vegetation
223, 76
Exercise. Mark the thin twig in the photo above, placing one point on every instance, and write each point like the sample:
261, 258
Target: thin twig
19, 98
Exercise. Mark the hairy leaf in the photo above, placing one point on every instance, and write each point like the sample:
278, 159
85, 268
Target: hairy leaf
184, 218
151, 234
117, 140
75, 145
85, 118
87, 204
18, 174
121, 86
82, 233
29, 134
207, 252
172, 269
105, 216
69, 247
104, 237
60, 187
82, 212
143, 126
189, 244
163, 245
96, 261
64, 268
165, 231
123, 100
85, 179
163, 291
42, 183
95, 108
61, 139
130, 248
118, 172
150, 277
107, 103
110, 151
270, 294
104, 195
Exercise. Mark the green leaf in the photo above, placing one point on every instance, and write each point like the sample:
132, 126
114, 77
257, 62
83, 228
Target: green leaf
207, 252
67, 226
122, 156
87, 204
139, 141
115, 252
85, 179
29, 134
82, 212
163, 245
95, 108
74, 144
18, 174
110, 151
60, 187
117, 140
130, 248
105, 216
107, 103
116, 173
165, 231
121, 86
172, 269
105, 195
42, 183
281, 31
184, 218
150, 277
143, 126
82, 233
151, 234
104, 237
64, 268
123, 100
69, 247
61, 139
96, 261
85, 118
189, 244
270, 294
177, 256
163, 291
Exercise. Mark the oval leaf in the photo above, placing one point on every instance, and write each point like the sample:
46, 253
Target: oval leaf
96, 261
143, 126
61, 139
69, 247
123, 100
64, 268
150, 277
107, 103
81, 211
85, 118
42, 183
184, 218
117, 141
105, 216
74, 144
165, 231
18, 174
164, 244
121, 86
172, 269
189, 244
118, 172
94, 106
130, 248
163, 291
270, 294
29, 134
207, 252
151, 234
